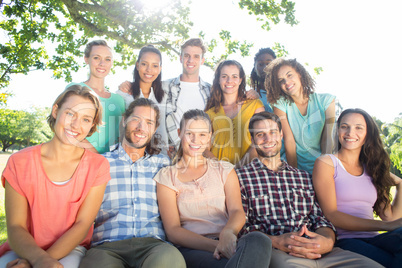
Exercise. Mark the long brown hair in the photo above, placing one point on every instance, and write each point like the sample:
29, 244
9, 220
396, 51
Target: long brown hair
375, 160
195, 114
273, 86
216, 98
156, 84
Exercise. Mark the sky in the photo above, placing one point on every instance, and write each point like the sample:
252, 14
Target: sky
357, 43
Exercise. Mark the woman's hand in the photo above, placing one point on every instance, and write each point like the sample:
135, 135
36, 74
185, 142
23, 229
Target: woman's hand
125, 87
226, 246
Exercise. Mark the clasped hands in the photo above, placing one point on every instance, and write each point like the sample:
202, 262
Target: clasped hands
303, 244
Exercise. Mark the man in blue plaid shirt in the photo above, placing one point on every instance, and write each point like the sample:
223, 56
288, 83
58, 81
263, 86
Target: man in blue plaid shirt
128, 229
279, 200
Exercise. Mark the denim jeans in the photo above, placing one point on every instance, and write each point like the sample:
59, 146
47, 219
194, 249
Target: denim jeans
385, 248
253, 250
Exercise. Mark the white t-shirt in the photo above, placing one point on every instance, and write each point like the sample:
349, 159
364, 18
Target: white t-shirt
189, 98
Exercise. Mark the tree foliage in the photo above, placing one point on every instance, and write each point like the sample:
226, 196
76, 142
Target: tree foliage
23, 127
49, 34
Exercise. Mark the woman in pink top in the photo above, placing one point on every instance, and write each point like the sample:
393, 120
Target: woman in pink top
354, 183
53, 191
200, 204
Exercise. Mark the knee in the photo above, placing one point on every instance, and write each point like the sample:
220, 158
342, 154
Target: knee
259, 239
166, 256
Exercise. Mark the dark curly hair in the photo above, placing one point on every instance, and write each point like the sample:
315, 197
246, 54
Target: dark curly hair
374, 159
216, 98
156, 84
257, 82
273, 86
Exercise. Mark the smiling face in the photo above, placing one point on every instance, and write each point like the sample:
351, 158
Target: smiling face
267, 138
140, 127
195, 137
289, 80
229, 79
191, 58
100, 61
74, 119
149, 67
261, 62
352, 131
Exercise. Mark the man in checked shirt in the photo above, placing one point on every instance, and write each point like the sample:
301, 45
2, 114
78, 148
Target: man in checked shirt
128, 230
279, 200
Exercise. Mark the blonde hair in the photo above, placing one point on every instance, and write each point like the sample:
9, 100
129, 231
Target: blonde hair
85, 92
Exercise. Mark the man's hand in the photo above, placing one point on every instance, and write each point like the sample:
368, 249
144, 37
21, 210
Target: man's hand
312, 246
252, 94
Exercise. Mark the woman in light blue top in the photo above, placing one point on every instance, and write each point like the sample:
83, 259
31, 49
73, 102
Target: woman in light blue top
98, 55
307, 117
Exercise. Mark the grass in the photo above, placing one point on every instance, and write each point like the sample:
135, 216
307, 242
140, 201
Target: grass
3, 227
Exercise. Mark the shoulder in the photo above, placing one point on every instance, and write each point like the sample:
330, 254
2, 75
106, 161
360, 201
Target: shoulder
167, 84
205, 84
246, 170
323, 98
281, 104
117, 99
160, 160
95, 157
20, 160
220, 164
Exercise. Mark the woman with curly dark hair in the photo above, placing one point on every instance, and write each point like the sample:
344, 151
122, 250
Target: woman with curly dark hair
262, 59
307, 117
355, 182
230, 112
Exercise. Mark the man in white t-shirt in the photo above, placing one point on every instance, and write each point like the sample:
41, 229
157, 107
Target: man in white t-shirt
188, 91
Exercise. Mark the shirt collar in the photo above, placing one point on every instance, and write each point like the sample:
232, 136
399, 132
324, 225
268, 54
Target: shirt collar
124, 156
284, 166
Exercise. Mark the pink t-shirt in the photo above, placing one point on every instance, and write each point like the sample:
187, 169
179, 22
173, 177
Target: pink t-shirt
52, 208
201, 202
355, 195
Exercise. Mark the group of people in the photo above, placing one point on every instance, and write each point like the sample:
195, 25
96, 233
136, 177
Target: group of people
179, 173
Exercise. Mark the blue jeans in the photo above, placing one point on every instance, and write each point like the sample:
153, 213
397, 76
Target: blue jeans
253, 250
385, 248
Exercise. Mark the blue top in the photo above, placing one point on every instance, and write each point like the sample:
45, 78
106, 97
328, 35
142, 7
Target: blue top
263, 98
307, 129
108, 133
129, 207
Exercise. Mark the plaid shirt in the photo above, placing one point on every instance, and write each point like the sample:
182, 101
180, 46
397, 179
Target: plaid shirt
172, 89
129, 208
278, 202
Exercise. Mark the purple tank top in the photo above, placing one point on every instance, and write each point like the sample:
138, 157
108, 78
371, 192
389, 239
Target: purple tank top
355, 195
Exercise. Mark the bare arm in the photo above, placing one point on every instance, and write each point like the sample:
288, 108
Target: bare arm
171, 223
289, 140
327, 141
394, 211
324, 186
237, 218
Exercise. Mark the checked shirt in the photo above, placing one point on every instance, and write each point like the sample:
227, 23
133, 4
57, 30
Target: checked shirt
278, 202
129, 208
